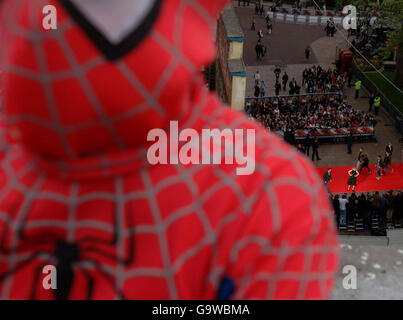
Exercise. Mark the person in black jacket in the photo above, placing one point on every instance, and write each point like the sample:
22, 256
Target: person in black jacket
367, 212
349, 142
364, 163
307, 144
257, 90
361, 206
258, 49
327, 177
379, 167
389, 148
315, 148
277, 88
351, 207
285, 80
387, 161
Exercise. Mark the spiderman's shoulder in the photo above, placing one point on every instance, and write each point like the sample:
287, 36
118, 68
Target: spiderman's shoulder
277, 173
4, 139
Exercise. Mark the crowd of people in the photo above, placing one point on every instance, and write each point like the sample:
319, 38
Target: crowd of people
386, 206
314, 79
307, 112
317, 80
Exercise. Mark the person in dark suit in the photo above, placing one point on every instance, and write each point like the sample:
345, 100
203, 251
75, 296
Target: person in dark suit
307, 144
307, 52
327, 177
315, 148
364, 163
285, 80
349, 142
277, 72
257, 90
278, 88
292, 86
389, 148
258, 49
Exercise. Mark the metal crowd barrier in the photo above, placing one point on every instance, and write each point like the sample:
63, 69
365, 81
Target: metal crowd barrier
298, 95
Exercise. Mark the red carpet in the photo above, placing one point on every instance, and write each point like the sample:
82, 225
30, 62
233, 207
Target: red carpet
365, 181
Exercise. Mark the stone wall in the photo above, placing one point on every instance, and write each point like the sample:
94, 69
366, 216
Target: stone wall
231, 73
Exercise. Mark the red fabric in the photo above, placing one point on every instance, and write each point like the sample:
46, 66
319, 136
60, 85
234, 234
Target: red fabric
76, 171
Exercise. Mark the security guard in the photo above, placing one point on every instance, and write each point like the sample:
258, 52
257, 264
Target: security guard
357, 88
377, 104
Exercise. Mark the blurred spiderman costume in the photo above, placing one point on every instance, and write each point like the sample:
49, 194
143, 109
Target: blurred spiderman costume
77, 191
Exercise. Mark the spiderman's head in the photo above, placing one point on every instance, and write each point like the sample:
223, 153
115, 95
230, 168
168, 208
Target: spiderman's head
108, 73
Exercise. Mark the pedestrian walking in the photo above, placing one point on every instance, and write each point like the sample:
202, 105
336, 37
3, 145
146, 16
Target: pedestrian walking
389, 148
307, 52
387, 161
260, 35
379, 167
364, 163
269, 27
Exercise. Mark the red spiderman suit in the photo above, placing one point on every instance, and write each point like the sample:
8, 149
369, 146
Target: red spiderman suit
77, 191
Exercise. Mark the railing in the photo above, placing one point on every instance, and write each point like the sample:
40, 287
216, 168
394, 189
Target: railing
297, 96
388, 107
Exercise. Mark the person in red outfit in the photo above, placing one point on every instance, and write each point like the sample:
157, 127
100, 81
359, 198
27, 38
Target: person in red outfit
76, 188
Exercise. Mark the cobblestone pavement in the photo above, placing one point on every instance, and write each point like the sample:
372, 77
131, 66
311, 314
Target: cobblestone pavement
379, 273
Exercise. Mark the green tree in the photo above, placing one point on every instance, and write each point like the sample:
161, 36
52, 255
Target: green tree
391, 15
